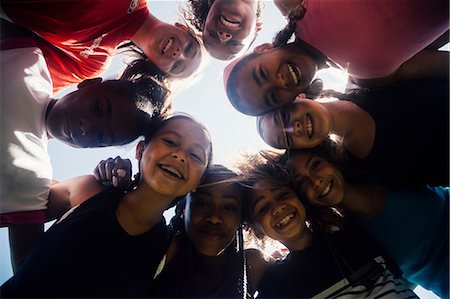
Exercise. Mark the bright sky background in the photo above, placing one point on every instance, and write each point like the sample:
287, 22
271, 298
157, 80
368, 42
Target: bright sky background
231, 131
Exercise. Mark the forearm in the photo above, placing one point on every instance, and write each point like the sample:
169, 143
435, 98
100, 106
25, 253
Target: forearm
67, 194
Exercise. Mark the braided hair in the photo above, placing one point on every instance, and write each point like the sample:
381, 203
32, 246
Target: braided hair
282, 37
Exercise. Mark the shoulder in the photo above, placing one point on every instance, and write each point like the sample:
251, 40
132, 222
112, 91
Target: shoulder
256, 265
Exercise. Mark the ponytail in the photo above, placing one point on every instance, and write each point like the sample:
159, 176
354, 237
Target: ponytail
286, 33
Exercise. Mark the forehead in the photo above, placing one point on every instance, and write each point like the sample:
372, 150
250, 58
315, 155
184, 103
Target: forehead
188, 130
250, 94
270, 127
221, 191
299, 160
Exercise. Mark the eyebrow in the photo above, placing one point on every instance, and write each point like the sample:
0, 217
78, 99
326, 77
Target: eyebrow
108, 115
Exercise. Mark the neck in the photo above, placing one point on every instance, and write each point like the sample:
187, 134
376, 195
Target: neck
353, 125
301, 242
341, 114
209, 271
144, 34
141, 209
364, 200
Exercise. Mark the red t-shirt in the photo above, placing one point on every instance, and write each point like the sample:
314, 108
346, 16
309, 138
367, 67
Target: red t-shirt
372, 38
78, 37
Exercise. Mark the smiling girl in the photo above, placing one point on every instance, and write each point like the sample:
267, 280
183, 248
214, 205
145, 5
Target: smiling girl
378, 42
106, 245
345, 263
228, 26
382, 129
79, 38
410, 223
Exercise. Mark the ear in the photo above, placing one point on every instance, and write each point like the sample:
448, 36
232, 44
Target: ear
182, 26
140, 147
259, 25
314, 89
258, 232
89, 82
301, 96
263, 48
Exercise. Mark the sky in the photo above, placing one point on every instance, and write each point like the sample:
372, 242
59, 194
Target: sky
232, 132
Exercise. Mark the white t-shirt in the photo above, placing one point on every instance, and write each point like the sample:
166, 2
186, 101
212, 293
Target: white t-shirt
26, 89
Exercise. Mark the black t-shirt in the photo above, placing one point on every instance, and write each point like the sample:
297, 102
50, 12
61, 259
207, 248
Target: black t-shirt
88, 254
412, 132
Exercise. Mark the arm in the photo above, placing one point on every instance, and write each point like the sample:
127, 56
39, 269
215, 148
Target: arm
427, 63
69, 193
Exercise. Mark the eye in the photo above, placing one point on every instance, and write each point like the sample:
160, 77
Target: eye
175, 66
196, 158
188, 48
284, 195
273, 98
261, 210
231, 208
263, 73
169, 142
213, 34
200, 203
315, 164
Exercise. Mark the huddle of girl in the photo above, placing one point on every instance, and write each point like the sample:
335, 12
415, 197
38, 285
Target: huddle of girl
64, 43
114, 242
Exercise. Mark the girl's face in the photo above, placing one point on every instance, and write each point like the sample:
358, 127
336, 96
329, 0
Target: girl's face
302, 124
320, 182
174, 50
228, 27
175, 159
273, 78
212, 217
98, 114
277, 212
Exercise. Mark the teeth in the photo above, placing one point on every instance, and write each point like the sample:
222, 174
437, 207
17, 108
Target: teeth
172, 171
326, 190
285, 220
228, 23
309, 127
168, 45
293, 74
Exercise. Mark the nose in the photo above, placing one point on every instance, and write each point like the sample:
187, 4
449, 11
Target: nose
176, 53
179, 157
214, 217
224, 36
279, 81
278, 209
316, 182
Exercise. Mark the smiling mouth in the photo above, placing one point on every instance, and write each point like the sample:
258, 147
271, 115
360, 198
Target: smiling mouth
327, 189
295, 73
172, 171
233, 25
168, 45
309, 126
285, 220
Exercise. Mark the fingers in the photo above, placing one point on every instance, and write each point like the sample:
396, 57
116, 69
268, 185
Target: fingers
121, 173
114, 171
